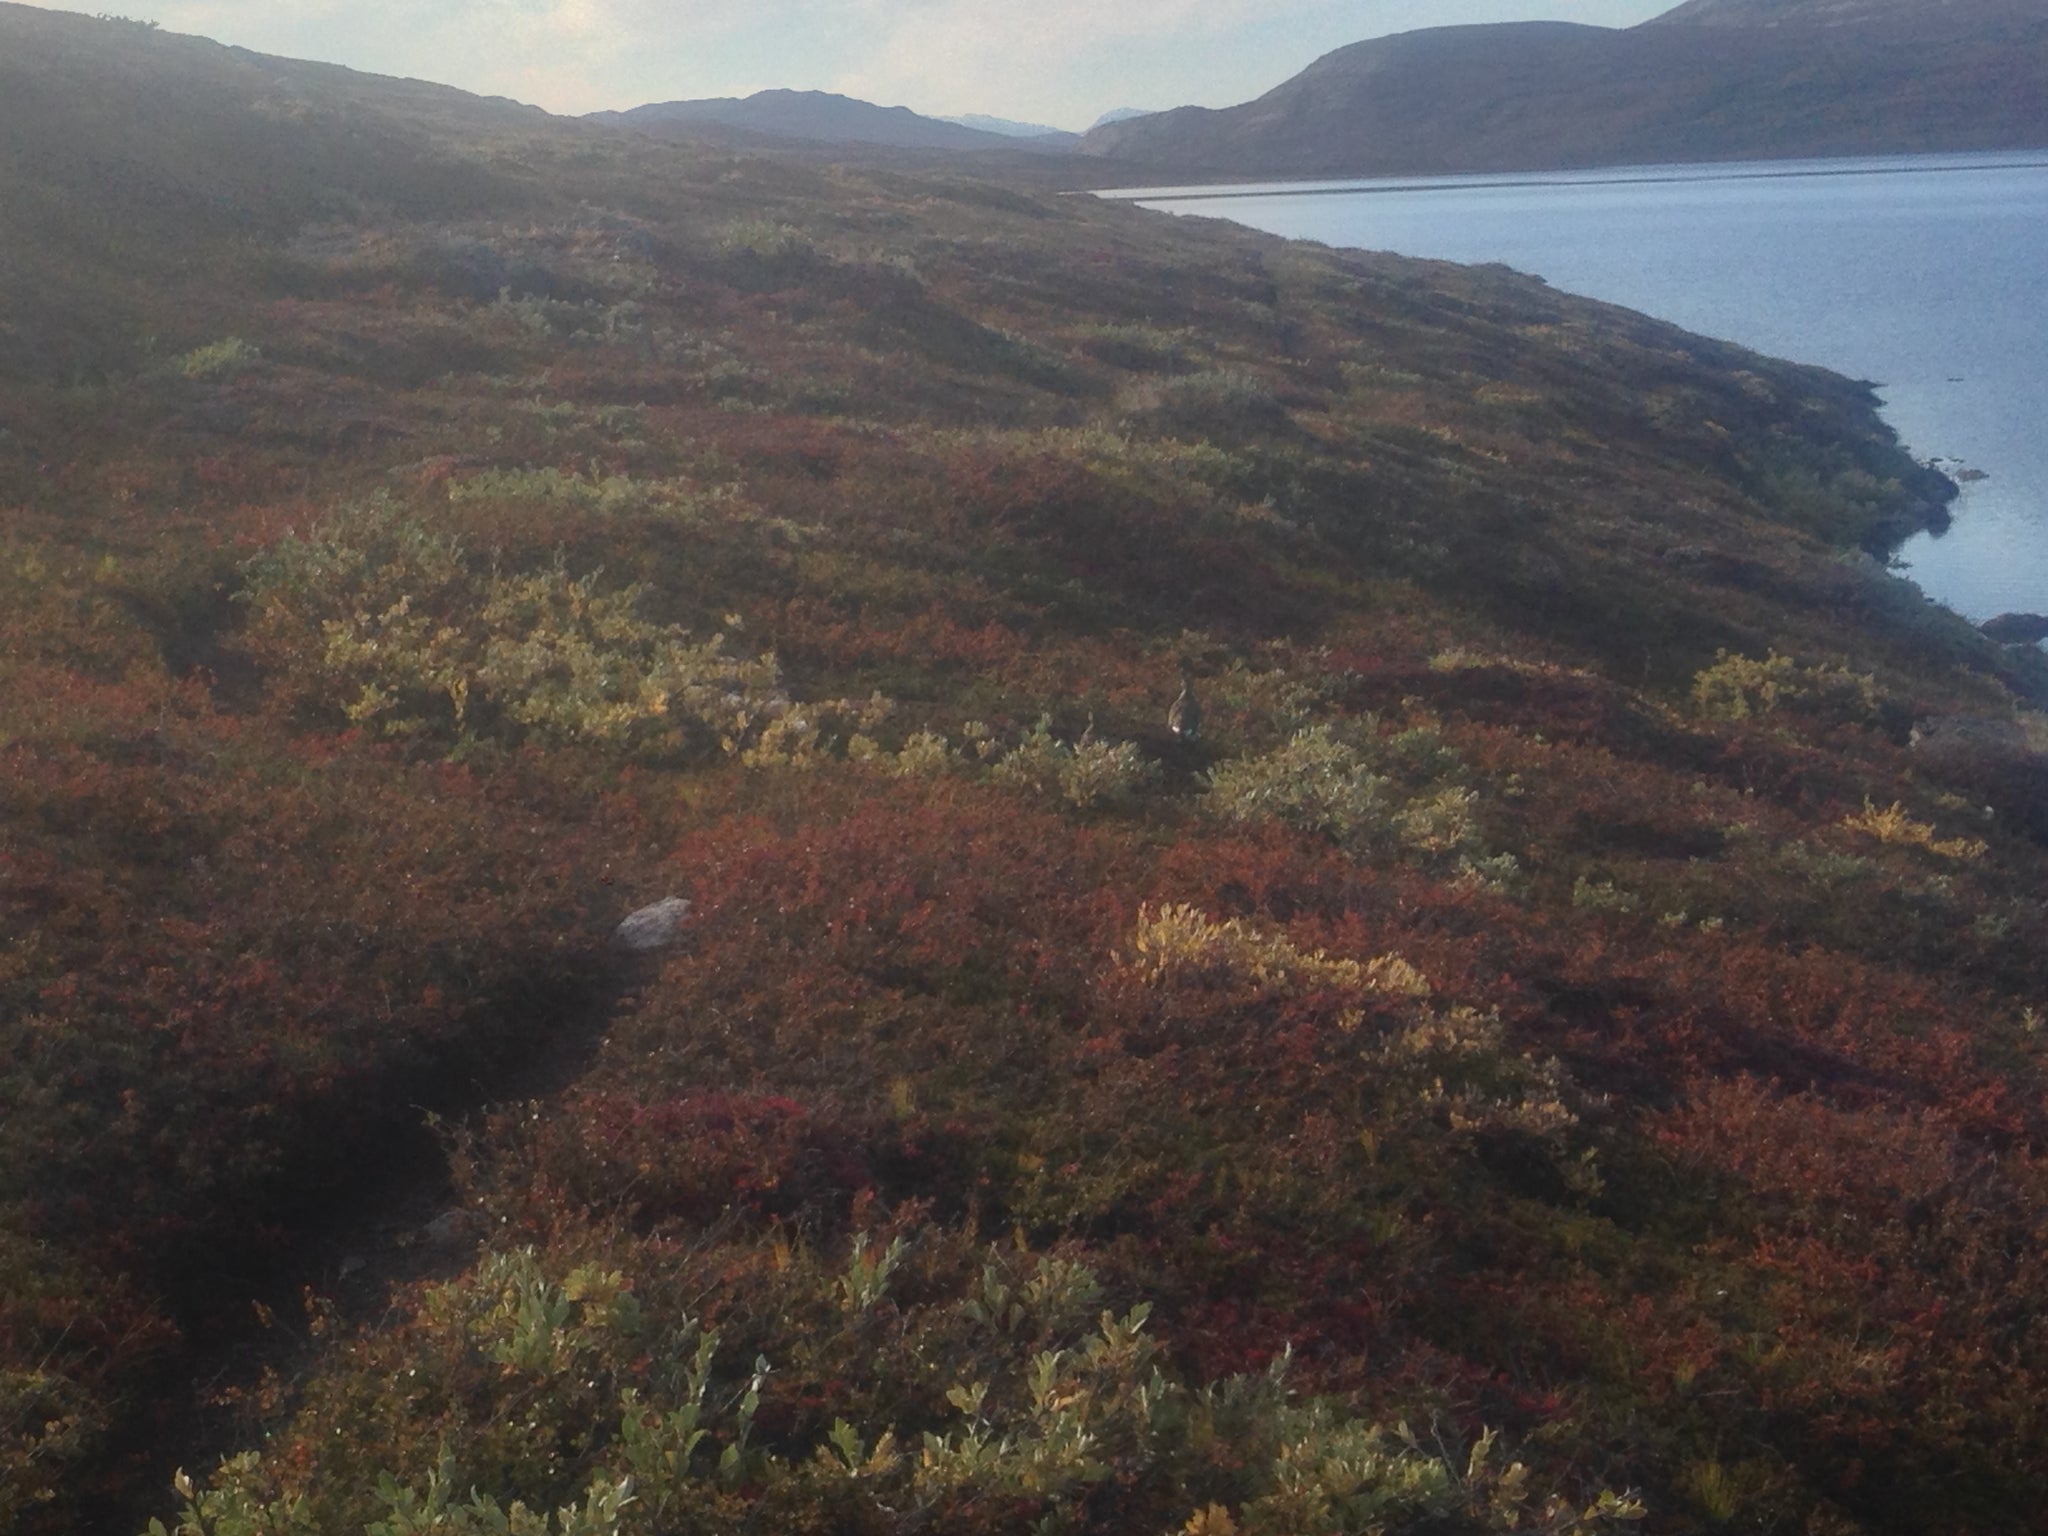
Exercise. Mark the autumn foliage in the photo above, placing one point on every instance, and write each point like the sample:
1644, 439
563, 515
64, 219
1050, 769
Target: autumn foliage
1549, 1054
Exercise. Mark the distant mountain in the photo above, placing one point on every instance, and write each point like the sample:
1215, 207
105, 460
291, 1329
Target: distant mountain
817, 116
1912, 15
1009, 128
1119, 115
1712, 80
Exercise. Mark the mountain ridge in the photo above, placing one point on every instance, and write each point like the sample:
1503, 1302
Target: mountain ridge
822, 117
1010, 127
1713, 80
1935, 16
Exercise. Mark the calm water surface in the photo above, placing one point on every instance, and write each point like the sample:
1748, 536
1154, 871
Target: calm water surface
1925, 274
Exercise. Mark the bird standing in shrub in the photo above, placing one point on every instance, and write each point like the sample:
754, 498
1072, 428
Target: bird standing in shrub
1184, 719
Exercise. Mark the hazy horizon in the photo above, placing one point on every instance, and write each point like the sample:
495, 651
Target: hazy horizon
1059, 62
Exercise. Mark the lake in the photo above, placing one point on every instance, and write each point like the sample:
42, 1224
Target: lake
1925, 274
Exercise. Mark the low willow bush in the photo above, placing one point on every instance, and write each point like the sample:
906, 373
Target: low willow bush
219, 360
1084, 774
1741, 688
1397, 795
542, 1402
397, 627
1317, 781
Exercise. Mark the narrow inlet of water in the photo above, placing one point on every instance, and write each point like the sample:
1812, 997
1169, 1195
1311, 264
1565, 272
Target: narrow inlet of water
1927, 275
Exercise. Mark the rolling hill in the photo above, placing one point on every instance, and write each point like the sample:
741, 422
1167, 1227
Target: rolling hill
1711, 80
1011, 128
822, 118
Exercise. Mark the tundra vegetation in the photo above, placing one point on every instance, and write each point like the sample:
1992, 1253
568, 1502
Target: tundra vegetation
1550, 1050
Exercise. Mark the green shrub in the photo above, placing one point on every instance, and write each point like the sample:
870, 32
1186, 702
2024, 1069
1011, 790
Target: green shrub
924, 755
1084, 774
1602, 896
806, 736
391, 622
1317, 781
1041, 1401
219, 360
1738, 688
596, 493
1394, 795
48, 1424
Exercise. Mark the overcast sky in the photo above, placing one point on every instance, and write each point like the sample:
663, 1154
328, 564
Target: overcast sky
1061, 62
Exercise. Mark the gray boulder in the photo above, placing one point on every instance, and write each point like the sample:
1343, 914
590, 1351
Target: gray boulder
653, 927
2017, 628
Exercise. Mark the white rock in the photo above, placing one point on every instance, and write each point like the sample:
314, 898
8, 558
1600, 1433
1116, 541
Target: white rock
655, 927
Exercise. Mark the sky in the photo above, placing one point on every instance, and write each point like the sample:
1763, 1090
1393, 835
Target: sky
1058, 62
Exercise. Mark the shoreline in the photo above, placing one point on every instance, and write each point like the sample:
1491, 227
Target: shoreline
1681, 268
1671, 173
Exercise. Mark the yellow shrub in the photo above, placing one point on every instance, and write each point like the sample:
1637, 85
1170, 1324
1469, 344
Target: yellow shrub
1181, 944
1739, 688
404, 630
1893, 825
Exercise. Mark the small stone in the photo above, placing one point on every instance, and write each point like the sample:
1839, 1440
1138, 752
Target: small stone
654, 927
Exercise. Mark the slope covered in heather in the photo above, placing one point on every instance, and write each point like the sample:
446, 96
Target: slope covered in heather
1551, 1004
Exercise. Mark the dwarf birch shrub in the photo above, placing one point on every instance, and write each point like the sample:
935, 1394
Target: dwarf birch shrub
1442, 1070
1275, 702
1179, 945
1741, 688
1390, 795
600, 493
1085, 774
1893, 825
806, 736
1038, 1398
925, 755
1317, 781
47, 1424
394, 624
219, 360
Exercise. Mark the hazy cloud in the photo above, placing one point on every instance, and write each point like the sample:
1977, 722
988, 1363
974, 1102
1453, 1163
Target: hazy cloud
962, 51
